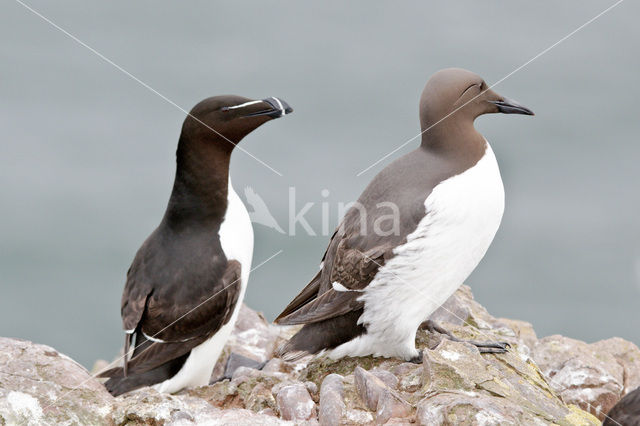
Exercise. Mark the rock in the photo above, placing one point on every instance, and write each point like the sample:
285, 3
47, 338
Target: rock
378, 396
148, 407
506, 380
235, 361
410, 376
582, 374
523, 331
540, 382
391, 405
39, 385
332, 406
253, 337
387, 377
471, 408
627, 355
295, 403
312, 388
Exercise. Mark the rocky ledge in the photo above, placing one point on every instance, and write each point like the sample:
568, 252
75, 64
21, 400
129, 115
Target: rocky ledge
553, 380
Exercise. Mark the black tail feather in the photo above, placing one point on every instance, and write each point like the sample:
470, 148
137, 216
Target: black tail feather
318, 336
118, 383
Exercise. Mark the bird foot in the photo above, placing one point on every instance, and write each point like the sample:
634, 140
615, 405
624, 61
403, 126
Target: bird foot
493, 347
417, 359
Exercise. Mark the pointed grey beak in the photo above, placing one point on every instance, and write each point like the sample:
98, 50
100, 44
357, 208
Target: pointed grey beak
277, 109
508, 106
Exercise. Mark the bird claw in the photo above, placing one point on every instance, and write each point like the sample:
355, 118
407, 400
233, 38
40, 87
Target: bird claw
491, 347
417, 359
483, 347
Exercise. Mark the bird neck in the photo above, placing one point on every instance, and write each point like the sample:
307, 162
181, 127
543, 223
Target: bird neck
453, 137
200, 189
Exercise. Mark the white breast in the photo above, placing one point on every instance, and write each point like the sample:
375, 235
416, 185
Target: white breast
463, 214
236, 239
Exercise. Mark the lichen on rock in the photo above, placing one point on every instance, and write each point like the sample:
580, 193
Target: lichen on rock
553, 380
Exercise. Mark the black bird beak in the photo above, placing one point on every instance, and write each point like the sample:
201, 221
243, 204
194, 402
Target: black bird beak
276, 108
507, 106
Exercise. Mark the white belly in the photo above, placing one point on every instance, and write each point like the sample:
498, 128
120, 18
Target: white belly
463, 215
236, 238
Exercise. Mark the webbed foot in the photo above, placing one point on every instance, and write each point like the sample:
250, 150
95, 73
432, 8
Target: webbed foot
484, 347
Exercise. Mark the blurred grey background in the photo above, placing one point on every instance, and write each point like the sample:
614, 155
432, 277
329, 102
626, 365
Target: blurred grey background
87, 154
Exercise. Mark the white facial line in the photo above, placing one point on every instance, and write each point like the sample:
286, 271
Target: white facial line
244, 104
279, 104
130, 331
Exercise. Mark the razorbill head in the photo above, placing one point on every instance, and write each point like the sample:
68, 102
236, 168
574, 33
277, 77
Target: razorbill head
416, 233
185, 286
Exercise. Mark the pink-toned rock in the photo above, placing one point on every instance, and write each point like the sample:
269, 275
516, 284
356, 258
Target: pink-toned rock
39, 385
255, 338
470, 408
295, 403
148, 407
332, 406
580, 373
378, 396
387, 377
627, 355
369, 387
391, 405
409, 375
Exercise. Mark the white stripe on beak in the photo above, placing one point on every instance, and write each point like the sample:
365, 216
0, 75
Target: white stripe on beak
279, 104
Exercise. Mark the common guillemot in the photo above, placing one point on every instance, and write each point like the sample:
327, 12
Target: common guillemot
185, 286
375, 289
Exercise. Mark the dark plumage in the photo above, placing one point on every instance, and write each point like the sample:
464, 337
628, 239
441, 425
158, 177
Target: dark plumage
626, 412
332, 306
182, 287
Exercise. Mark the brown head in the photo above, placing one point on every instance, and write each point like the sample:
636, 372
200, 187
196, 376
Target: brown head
227, 119
209, 134
451, 101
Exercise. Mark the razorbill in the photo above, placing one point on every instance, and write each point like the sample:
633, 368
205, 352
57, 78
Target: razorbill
376, 287
626, 412
185, 286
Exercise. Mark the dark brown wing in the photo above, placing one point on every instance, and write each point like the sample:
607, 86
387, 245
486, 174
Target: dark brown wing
167, 332
356, 250
307, 295
344, 265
